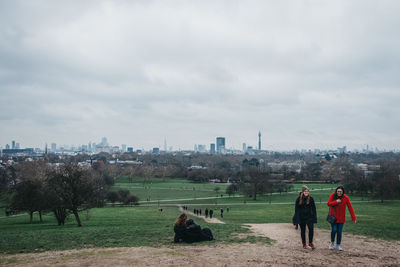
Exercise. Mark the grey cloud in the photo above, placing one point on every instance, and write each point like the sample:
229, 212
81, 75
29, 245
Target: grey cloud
305, 73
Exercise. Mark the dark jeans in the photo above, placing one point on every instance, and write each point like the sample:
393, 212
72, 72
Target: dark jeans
310, 226
337, 228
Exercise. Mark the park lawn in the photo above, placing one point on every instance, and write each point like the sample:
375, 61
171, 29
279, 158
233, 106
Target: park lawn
160, 189
374, 219
154, 189
147, 226
298, 186
320, 196
107, 227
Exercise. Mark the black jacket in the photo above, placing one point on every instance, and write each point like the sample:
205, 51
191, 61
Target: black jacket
305, 213
192, 233
179, 233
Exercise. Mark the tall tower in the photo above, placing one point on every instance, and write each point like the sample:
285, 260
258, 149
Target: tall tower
259, 140
220, 144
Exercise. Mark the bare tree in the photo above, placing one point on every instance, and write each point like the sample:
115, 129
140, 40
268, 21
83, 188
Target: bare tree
255, 182
74, 188
28, 194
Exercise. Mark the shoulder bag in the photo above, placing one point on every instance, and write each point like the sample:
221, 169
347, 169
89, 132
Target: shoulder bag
330, 218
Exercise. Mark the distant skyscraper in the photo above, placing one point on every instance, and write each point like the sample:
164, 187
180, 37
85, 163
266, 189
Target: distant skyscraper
13, 144
156, 150
201, 148
123, 147
212, 148
53, 147
244, 147
259, 141
130, 149
17, 145
195, 148
104, 141
165, 145
220, 144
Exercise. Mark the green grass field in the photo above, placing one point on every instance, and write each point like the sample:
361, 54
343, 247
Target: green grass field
107, 227
160, 189
144, 225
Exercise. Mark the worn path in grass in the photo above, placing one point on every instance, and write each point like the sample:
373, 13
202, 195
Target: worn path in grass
209, 220
286, 250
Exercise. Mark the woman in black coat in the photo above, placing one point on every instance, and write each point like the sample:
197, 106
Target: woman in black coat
187, 231
180, 228
306, 215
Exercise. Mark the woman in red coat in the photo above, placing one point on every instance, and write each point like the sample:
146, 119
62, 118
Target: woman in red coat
337, 203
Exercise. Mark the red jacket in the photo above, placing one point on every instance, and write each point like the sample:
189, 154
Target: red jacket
339, 209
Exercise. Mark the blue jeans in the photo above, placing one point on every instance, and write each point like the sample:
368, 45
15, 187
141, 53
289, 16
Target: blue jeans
337, 228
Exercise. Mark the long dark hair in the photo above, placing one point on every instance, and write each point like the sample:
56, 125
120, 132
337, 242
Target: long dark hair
303, 197
181, 221
335, 196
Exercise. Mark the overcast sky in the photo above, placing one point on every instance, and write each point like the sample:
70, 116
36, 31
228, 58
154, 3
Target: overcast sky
308, 74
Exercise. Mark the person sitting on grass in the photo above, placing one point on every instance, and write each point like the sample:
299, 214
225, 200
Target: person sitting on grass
189, 232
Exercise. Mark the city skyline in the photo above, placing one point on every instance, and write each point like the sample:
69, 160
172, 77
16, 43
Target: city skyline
214, 147
308, 75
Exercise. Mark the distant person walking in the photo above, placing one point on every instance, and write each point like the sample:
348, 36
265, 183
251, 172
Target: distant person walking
222, 213
306, 215
337, 203
206, 213
211, 213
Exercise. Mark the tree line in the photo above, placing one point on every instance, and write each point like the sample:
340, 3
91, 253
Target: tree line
62, 189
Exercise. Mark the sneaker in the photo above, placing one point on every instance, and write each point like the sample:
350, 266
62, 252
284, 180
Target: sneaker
311, 245
304, 245
331, 245
338, 248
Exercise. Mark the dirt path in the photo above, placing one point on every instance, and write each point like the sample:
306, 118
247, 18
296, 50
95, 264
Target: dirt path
286, 250
209, 220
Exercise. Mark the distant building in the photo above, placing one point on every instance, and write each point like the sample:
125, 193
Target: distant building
100, 148
212, 148
244, 148
201, 148
259, 141
220, 144
123, 148
17, 146
104, 141
7, 146
130, 149
18, 151
13, 144
53, 147
156, 150
139, 151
